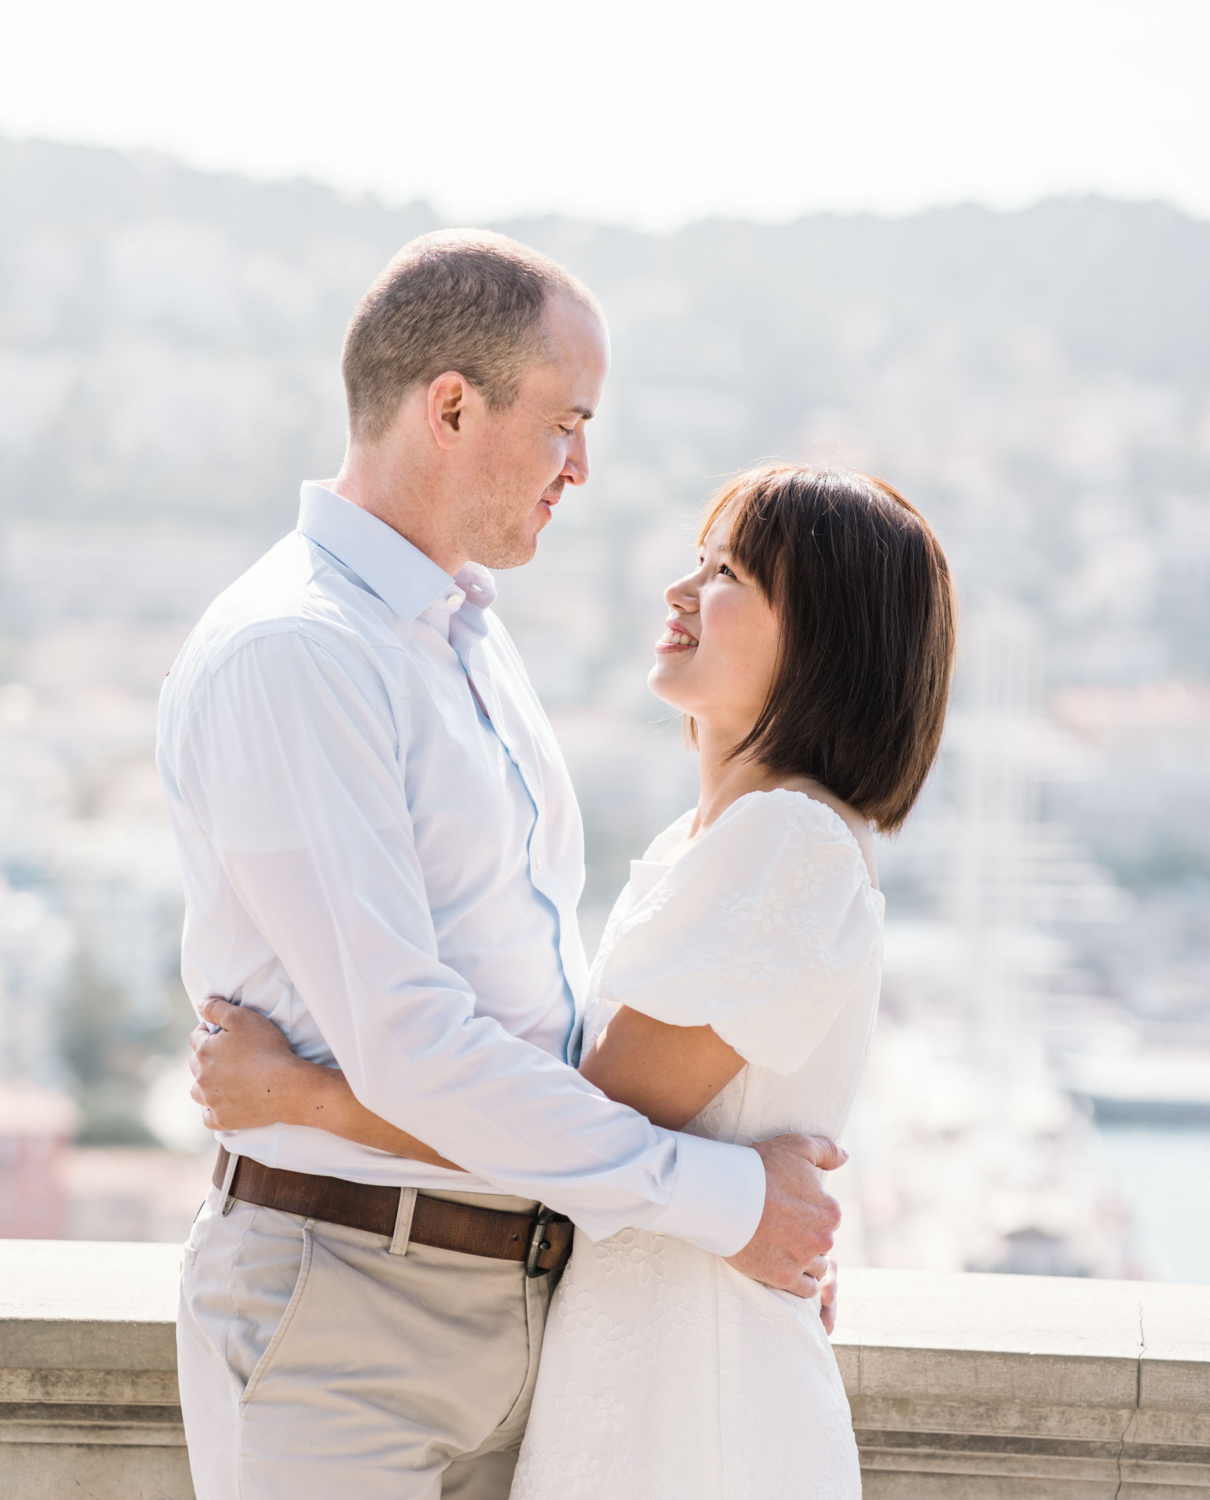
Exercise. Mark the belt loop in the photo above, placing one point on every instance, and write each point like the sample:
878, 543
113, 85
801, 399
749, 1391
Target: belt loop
403, 1221
225, 1190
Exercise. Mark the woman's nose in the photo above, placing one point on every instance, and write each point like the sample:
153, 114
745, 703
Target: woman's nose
682, 595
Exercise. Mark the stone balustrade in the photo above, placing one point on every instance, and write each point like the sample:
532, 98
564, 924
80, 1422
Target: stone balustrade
990, 1387
979, 1387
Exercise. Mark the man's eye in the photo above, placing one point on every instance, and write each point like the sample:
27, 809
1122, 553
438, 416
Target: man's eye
566, 431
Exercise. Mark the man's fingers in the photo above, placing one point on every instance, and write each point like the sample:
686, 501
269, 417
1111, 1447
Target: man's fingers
218, 1012
818, 1268
801, 1286
824, 1153
829, 1285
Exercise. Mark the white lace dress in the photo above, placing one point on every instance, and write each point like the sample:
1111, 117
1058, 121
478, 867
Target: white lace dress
666, 1375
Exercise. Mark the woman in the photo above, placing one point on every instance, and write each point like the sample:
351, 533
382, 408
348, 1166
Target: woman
735, 988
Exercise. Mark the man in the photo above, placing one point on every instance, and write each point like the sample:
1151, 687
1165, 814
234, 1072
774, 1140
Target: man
382, 852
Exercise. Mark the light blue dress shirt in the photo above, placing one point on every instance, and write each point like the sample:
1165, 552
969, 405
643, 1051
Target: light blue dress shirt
381, 851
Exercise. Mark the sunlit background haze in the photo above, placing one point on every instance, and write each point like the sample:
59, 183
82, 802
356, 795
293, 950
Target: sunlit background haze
964, 246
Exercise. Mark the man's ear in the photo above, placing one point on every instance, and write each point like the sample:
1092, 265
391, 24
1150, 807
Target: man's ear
448, 397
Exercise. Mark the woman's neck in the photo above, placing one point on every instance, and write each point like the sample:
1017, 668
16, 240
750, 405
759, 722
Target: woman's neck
724, 780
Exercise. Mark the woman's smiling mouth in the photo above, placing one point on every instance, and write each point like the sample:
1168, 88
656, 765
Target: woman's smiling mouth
675, 639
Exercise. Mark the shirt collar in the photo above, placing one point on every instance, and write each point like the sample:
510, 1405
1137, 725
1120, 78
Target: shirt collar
400, 574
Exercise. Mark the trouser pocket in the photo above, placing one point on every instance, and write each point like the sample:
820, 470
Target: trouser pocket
380, 1369
283, 1328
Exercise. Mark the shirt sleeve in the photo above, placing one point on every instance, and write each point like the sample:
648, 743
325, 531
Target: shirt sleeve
762, 931
288, 760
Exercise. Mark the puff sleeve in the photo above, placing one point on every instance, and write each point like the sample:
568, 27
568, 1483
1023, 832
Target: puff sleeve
762, 930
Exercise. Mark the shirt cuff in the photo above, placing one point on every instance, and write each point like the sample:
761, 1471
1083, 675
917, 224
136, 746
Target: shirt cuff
718, 1197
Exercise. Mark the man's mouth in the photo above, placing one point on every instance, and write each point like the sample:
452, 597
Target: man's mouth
548, 503
674, 639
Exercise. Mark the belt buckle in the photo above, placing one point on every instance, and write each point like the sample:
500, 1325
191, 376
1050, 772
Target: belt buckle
537, 1243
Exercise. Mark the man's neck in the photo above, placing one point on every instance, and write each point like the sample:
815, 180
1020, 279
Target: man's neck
395, 500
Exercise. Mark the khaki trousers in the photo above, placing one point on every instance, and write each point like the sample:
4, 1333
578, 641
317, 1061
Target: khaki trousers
317, 1361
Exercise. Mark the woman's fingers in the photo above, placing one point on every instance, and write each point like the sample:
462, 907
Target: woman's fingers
218, 1012
209, 1118
252, 1031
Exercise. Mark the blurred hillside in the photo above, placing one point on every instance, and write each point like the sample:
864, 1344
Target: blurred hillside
1037, 383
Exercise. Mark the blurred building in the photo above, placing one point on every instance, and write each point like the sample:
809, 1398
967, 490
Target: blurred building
1038, 383
36, 1126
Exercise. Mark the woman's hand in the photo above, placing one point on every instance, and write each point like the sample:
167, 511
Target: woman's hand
245, 1075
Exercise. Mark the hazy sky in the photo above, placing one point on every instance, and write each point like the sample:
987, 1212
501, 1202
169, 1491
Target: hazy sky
646, 112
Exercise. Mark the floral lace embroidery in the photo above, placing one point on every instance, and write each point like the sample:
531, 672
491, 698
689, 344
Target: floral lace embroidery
665, 1373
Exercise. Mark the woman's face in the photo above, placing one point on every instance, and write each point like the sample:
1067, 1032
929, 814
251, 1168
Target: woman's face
717, 658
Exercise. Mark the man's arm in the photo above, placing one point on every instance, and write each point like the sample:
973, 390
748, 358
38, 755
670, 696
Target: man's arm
670, 1073
247, 1076
288, 764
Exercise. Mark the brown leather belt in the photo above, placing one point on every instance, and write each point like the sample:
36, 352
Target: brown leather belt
541, 1241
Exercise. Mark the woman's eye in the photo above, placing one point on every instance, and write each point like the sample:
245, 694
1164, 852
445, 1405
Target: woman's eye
723, 568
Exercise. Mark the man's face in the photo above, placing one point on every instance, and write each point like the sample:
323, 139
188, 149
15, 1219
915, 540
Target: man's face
530, 451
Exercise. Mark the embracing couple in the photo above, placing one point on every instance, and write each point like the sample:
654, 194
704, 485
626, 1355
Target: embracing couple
485, 1223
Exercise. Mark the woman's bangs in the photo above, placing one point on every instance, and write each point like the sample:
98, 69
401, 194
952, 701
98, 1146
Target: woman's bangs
753, 542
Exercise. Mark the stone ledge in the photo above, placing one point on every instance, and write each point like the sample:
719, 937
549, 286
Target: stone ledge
988, 1387
962, 1387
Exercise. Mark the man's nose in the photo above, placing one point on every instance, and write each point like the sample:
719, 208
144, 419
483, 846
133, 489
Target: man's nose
575, 467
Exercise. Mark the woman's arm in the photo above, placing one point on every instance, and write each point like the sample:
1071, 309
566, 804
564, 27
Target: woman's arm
668, 1073
246, 1076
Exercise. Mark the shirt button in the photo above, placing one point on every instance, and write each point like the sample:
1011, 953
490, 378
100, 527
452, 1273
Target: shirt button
451, 598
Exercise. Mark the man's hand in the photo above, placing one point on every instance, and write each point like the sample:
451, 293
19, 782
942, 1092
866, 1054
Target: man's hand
790, 1246
828, 1288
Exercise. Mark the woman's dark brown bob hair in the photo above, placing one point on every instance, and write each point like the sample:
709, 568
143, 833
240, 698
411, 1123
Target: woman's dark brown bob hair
868, 621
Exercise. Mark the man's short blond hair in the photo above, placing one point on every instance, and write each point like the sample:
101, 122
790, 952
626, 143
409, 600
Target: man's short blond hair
457, 299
